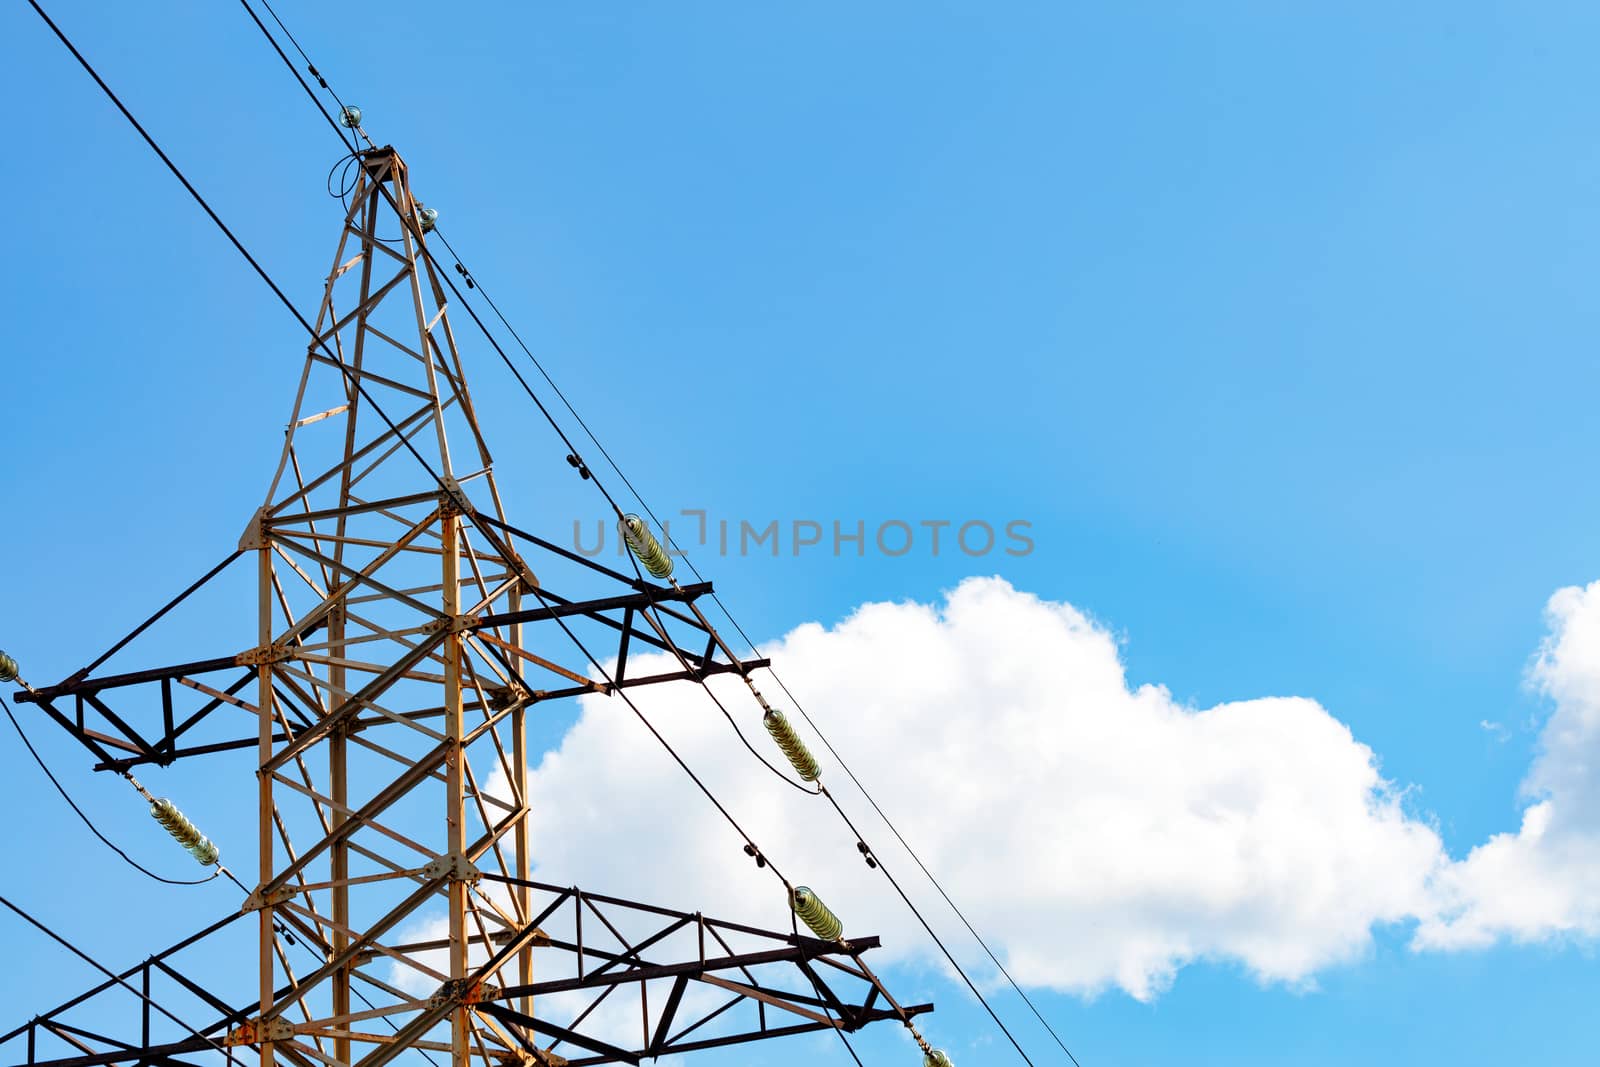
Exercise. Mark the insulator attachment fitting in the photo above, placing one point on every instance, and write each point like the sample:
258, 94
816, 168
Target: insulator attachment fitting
184, 832
936, 1058
644, 545
815, 914
804, 763
9, 671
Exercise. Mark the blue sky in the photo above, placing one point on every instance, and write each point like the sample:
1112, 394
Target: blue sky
1274, 324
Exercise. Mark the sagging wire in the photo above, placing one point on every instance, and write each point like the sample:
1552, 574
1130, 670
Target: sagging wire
647, 552
129, 860
163, 810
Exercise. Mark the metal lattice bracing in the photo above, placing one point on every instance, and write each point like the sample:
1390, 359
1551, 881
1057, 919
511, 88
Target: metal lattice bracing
402, 636
753, 984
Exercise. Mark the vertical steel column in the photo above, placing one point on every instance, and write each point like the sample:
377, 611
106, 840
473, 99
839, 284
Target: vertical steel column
338, 748
264, 702
519, 772
455, 779
339, 854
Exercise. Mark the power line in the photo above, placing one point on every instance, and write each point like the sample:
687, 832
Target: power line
929, 874
728, 614
336, 128
877, 862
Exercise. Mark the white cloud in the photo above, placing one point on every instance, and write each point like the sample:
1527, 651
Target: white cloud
1542, 882
1099, 835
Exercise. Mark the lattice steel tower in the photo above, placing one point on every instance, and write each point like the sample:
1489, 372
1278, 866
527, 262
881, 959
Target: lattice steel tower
401, 638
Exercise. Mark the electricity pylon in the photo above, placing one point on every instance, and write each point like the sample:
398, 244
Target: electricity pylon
401, 639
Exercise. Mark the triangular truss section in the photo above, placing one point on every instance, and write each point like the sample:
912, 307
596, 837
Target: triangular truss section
620, 982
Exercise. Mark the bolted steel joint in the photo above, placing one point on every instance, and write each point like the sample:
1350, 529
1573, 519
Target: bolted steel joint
451, 624
460, 992
256, 1031
455, 867
257, 657
258, 900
